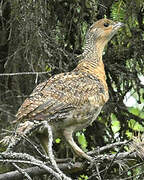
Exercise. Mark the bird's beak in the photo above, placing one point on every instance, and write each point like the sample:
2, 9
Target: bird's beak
117, 25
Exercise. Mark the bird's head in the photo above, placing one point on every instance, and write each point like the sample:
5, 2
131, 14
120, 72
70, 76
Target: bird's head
100, 33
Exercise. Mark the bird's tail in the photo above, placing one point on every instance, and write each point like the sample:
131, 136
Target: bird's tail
23, 129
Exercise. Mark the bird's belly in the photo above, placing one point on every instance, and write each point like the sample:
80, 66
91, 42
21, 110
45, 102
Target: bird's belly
78, 119
88, 118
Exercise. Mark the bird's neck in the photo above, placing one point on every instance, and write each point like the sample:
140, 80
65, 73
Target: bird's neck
91, 61
94, 48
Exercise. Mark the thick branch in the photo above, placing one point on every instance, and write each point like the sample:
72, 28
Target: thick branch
34, 171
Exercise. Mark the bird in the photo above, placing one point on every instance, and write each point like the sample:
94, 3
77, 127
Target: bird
71, 101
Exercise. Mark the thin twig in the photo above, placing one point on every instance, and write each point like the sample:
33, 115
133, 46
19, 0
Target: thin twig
98, 173
133, 177
112, 161
135, 166
36, 148
109, 146
23, 73
27, 159
25, 174
51, 155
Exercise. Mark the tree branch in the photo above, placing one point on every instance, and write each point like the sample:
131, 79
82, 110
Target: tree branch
44, 168
23, 73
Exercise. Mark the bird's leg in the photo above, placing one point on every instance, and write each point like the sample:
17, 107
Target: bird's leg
68, 135
43, 139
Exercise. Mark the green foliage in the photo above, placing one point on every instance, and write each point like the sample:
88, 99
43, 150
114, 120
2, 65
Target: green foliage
58, 140
48, 68
135, 125
118, 10
135, 111
83, 177
115, 124
82, 140
138, 108
129, 134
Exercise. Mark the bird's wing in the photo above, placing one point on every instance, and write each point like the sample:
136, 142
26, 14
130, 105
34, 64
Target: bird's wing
62, 92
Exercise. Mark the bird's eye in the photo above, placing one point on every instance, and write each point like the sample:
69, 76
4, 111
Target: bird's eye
106, 24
